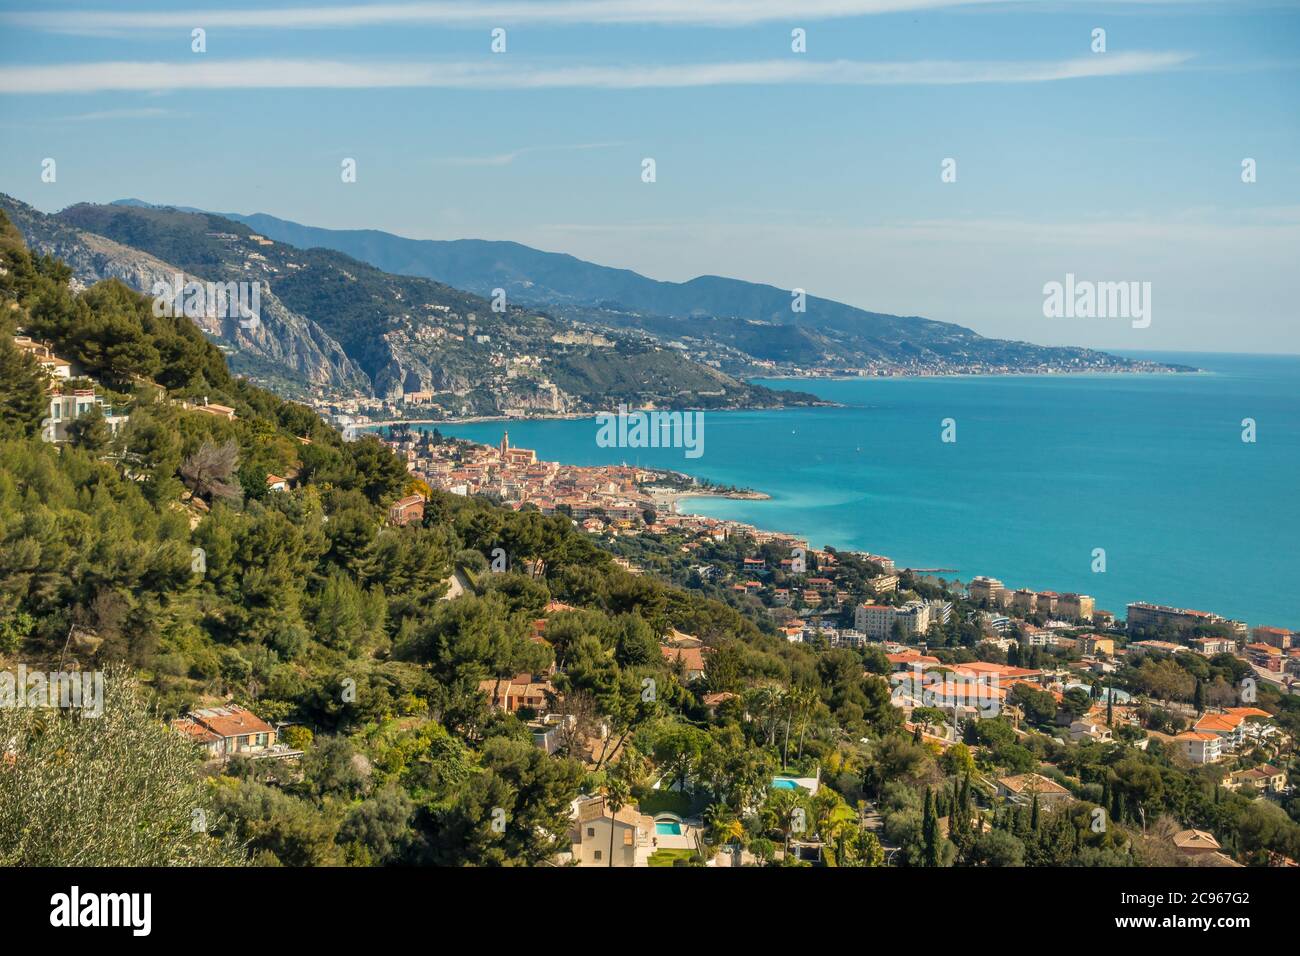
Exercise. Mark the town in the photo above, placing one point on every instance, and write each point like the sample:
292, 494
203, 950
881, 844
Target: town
999, 685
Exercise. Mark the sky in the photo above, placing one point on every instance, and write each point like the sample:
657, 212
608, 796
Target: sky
821, 170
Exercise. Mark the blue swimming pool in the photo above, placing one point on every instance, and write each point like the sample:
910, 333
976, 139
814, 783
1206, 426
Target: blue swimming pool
674, 828
784, 783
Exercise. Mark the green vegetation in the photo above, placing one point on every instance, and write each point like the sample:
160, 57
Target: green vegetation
309, 609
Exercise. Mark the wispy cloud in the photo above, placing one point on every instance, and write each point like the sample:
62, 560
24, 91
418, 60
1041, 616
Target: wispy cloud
507, 159
479, 75
493, 12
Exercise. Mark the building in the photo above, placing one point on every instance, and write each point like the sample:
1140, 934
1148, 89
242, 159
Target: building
1265, 779
1075, 607
58, 369
1266, 656
1142, 615
940, 611
690, 659
877, 620
913, 618
1198, 747
1164, 647
874, 620
65, 409
276, 483
987, 590
1196, 843
408, 510
1272, 636
884, 584
1047, 602
1210, 646
1024, 600
1094, 645
629, 832
911, 661
1086, 728
518, 692
1230, 728
225, 732
1022, 788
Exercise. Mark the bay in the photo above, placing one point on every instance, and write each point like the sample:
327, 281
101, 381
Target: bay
1044, 470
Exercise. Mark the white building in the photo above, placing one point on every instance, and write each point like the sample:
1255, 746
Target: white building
1199, 748
65, 409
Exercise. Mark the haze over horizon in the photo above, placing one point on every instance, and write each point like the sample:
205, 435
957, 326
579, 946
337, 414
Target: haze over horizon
818, 170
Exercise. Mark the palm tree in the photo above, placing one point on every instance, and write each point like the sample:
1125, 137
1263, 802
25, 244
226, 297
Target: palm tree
724, 826
617, 792
807, 702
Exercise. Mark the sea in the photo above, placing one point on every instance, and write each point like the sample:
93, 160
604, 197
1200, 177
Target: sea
1177, 489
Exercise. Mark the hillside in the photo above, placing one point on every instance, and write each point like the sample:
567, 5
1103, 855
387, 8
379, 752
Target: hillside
318, 614
739, 322
384, 335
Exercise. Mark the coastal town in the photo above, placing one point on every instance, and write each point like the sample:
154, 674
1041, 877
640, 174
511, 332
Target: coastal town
472, 627
1000, 684
1048, 665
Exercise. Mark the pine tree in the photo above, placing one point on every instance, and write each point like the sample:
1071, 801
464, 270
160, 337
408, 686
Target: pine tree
23, 401
90, 432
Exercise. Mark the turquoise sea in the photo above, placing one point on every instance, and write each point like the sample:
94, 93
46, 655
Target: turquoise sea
1152, 468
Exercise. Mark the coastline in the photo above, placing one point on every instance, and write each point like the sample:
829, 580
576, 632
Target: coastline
913, 546
901, 377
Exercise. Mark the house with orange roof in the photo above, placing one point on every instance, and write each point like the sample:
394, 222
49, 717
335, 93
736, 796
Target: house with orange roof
1023, 787
1230, 728
1195, 842
1267, 656
515, 693
1200, 747
1265, 779
690, 659
225, 732
908, 660
408, 510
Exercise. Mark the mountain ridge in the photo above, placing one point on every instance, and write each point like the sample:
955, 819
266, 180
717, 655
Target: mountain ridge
751, 327
403, 340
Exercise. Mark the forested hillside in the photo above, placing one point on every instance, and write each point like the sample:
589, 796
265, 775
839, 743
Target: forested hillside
340, 327
314, 611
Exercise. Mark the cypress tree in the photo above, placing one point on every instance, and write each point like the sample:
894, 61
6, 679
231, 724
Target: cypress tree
930, 830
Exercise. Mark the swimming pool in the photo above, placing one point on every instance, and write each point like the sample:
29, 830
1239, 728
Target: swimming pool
669, 828
784, 783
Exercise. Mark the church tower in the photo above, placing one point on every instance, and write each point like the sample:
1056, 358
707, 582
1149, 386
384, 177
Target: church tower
505, 444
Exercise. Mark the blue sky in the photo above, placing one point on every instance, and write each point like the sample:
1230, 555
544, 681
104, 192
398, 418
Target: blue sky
818, 170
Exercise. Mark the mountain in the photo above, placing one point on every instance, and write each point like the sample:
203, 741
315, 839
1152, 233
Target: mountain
396, 337
742, 326
285, 348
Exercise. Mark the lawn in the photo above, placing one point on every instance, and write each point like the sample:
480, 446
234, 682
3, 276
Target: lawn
668, 857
